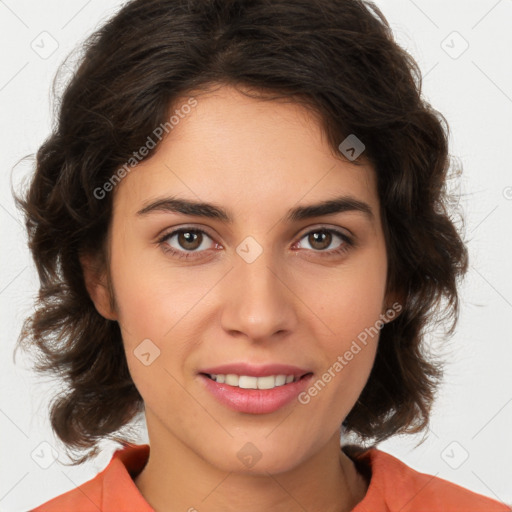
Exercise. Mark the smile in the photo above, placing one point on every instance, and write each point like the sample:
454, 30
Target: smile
250, 382
251, 389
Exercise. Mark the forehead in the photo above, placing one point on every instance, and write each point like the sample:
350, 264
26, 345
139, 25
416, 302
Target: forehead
245, 152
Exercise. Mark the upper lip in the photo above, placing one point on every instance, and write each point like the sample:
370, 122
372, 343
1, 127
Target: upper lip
255, 370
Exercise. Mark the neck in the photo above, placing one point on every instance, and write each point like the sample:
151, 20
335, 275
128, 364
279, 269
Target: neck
176, 478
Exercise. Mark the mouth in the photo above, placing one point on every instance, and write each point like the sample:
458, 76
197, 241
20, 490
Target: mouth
252, 382
255, 390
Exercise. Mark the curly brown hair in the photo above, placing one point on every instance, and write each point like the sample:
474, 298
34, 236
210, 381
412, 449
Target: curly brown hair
338, 58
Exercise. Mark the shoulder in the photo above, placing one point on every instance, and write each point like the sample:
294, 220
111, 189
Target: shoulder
394, 486
113, 489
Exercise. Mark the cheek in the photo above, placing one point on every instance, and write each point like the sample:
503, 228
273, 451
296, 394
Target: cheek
152, 300
349, 313
349, 302
161, 306
152, 316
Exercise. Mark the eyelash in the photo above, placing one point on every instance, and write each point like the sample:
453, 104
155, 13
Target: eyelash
347, 244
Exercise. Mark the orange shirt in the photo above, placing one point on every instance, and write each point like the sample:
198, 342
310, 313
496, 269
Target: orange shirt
393, 487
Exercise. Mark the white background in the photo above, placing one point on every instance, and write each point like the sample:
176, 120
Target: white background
473, 415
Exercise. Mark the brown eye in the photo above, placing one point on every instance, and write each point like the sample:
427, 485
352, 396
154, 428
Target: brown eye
326, 241
320, 240
189, 240
186, 242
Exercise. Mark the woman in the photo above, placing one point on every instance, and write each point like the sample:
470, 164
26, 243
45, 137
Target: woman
240, 228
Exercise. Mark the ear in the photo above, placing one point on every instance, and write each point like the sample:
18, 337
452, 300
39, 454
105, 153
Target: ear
96, 283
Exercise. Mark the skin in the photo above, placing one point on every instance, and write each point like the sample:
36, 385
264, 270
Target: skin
292, 305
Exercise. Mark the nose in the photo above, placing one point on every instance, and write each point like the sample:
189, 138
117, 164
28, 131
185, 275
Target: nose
259, 301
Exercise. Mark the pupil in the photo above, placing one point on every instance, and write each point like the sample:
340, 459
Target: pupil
321, 237
189, 239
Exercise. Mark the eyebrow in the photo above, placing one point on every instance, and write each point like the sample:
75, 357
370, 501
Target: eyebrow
339, 204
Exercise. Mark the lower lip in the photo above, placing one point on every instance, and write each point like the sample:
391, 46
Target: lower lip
255, 401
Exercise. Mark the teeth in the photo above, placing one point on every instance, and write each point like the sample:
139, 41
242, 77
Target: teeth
280, 380
248, 382
232, 380
268, 382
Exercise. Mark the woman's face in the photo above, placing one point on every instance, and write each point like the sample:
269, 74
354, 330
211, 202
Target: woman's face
258, 284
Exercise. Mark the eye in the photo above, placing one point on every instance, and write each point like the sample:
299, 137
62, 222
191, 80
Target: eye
322, 238
190, 242
185, 242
